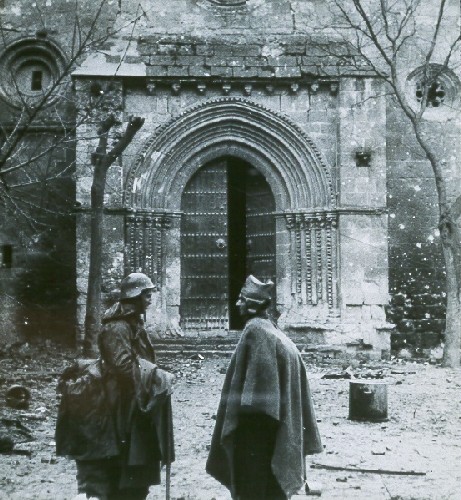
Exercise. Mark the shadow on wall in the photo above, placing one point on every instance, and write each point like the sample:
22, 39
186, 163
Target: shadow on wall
45, 289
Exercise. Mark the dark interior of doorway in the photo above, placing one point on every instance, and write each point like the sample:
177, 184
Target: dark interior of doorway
237, 175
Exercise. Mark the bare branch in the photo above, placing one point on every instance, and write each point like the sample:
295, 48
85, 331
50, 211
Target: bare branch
137, 17
456, 208
31, 112
408, 16
54, 177
34, 158
134, 124
451, 50
372, 34
438, 24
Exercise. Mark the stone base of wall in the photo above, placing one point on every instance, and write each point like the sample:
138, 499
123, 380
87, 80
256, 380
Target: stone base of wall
314, 342
344, 341
419, 320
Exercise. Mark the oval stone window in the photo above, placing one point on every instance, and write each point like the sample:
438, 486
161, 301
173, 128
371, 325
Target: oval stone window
29, 69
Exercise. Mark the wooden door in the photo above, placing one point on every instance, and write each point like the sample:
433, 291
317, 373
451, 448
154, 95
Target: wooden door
260, 230
227, 233
260, 227
204, 256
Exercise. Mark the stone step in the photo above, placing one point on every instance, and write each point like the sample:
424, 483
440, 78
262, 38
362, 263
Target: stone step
225, 347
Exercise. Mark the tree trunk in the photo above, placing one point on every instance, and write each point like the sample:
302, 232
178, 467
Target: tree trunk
93, 301
450, 236
102, 160
451, 352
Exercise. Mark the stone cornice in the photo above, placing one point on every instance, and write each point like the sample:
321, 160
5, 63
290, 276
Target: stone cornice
334, 211
141, 71
362, 210
128, 211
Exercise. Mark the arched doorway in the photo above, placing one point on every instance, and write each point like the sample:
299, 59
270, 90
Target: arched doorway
227, 232
234, 131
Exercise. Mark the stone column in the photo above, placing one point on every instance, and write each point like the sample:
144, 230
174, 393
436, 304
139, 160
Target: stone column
153, 247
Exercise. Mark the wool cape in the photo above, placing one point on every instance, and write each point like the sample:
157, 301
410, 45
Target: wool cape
266, 375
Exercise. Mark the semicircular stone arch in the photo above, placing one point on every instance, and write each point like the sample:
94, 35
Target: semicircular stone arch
228, 126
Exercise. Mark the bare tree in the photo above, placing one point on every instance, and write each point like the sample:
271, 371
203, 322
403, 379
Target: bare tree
101, 160
380, 36
50, 110
37, 132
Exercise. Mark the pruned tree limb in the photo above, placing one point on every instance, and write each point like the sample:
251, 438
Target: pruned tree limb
101, 160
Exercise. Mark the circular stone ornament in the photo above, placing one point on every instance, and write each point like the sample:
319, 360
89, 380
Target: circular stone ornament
28, 70
441, 89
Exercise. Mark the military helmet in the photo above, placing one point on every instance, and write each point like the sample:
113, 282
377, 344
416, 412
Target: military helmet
133, 285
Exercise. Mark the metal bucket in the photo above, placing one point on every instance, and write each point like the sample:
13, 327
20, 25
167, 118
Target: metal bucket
368, 400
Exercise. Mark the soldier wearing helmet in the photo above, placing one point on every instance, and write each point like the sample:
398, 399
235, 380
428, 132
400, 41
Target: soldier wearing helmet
265, 423
137, 289
134, 284
140, 404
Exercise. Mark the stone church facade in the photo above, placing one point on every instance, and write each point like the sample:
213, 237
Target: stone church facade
260, 154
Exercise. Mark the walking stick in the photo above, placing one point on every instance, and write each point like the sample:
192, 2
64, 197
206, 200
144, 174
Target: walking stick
168, 481
170, 449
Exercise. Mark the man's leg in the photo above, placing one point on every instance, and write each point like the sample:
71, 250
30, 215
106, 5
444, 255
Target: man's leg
254, 447
130, 494
97, 478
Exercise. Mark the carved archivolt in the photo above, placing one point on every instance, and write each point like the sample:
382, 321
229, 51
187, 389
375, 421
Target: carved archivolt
230, 126
278, 148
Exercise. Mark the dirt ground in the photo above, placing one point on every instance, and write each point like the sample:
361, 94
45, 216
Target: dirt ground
421, 440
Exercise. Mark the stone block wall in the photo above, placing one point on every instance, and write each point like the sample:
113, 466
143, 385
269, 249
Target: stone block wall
313, 112
38, 291
417, 272
37, 224
419, 319
184, 52
55, 19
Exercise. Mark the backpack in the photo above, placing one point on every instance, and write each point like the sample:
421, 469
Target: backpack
85, 428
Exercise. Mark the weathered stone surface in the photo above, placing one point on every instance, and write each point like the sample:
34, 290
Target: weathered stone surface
267, 55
